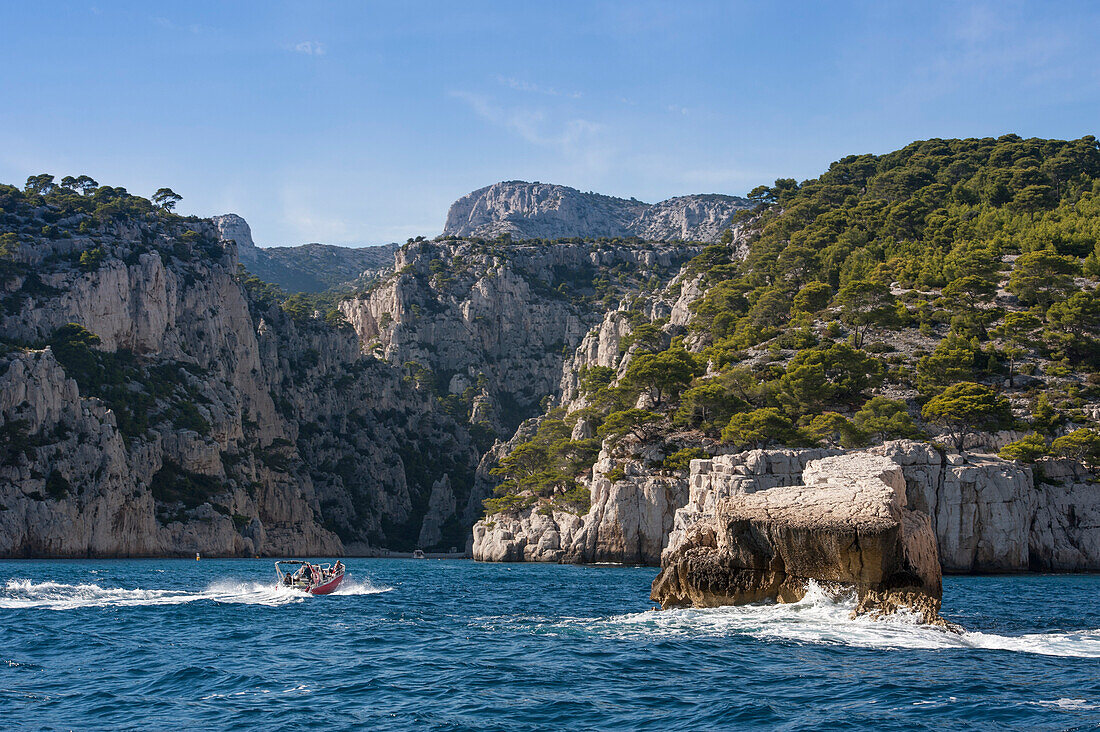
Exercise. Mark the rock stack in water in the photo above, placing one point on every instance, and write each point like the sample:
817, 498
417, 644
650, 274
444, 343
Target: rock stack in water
847, 526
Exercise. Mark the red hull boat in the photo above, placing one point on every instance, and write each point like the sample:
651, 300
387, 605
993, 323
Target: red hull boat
316, 579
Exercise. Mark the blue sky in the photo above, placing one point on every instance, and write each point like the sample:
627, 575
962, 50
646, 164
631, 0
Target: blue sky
360, 122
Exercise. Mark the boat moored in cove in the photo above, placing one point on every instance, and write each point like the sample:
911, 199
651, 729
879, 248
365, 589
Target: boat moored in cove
316, 579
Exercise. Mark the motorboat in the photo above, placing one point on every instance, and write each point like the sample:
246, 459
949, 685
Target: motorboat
316, 579
419, 554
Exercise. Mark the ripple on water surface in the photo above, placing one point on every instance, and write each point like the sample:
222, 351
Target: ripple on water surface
459, 645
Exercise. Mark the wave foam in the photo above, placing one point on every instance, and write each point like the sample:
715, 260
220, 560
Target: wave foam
820, 618
25, 593
1068, 704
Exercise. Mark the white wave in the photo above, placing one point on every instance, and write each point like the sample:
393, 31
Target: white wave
1067, 704
25, 593
300, 689
819, 618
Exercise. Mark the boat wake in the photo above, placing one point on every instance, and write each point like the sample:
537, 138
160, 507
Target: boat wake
818, 619
24, 593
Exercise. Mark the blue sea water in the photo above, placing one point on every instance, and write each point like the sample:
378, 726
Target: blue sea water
457, 645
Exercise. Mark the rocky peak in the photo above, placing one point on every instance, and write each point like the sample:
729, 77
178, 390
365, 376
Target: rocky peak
233, 227
546, 211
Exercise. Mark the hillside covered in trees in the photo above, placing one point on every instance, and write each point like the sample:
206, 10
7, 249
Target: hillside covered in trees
945, 292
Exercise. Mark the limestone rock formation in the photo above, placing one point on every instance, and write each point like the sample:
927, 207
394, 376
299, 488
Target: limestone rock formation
991, 515
495, 324
846, 525
688, 218
711, 481
628, 521
988, 514
201, 416
546, 211
234, 228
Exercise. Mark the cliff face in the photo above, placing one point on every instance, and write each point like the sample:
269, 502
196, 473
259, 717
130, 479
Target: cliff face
187, 414
992, 515
848, 525
493, 325
208, 419
545, 211
986, 514
181, 394
628, 522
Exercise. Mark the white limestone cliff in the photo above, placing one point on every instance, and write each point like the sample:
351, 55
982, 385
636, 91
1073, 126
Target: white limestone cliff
546, 211
504, 320
629, 520
349, 447
987, 514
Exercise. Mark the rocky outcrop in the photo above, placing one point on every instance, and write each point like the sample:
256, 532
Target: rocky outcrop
725, 476
601, 346
847, 525
688, 218
545, 211
76, 489
628, 521
234, 228
441, 508
43, 413
991, 515
988, 514
308, 267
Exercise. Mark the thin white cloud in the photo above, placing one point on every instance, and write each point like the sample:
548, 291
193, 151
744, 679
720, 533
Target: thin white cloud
581, 149
532, 125
984, 45
981, 23
310, 48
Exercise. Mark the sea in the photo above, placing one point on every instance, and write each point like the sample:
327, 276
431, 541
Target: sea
458, 645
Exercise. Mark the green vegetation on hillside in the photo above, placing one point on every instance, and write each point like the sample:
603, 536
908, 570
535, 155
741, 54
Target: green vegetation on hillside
952, 282
142, 394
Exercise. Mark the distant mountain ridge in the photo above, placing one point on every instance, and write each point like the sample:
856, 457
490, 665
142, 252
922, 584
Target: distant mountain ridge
547, 211
304, 268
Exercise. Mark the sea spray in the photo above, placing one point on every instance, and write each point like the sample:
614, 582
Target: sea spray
823, 617
23, 593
